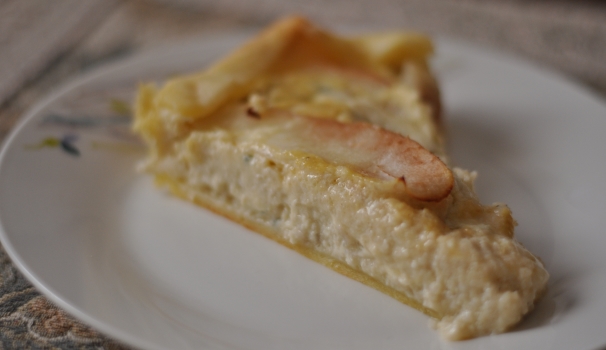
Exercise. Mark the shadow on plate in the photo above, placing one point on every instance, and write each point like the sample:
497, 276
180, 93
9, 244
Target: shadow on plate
558, 301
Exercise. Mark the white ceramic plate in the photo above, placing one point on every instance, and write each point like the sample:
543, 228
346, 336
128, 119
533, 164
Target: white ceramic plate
159, 273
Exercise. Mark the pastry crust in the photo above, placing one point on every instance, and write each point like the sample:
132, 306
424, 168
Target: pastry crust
332, 147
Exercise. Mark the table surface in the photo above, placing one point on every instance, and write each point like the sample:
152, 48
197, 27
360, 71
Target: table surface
46, 43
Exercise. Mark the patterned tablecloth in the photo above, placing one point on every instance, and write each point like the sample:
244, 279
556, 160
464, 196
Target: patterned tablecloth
29, 321
45, 43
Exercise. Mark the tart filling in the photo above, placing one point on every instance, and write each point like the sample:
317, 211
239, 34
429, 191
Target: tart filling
332, 147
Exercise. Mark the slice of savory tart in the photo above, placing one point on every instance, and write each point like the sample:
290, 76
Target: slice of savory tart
333, 148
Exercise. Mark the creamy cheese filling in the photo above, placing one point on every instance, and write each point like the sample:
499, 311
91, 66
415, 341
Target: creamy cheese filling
467, 267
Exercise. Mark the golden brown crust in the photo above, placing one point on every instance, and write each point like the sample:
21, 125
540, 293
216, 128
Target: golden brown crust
288, 44
406, 54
